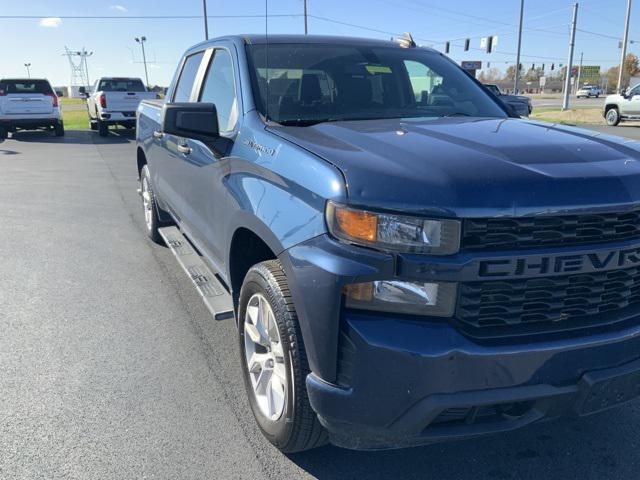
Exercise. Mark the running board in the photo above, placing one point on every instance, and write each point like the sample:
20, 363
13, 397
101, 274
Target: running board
215, 296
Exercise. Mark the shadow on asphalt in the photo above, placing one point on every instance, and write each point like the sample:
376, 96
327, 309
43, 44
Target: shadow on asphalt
81, 137
602, 446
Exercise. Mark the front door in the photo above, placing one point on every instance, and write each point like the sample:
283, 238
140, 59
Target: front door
205, 166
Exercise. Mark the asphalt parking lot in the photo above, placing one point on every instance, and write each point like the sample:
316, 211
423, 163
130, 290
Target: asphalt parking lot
111, 366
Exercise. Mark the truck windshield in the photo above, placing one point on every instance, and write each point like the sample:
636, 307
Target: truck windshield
305, 84
121, 85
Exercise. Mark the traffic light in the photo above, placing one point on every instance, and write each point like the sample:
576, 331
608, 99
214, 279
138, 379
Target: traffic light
489, 44
466, 44
447, 45
543, 67
533, 66
520, 67
553, 66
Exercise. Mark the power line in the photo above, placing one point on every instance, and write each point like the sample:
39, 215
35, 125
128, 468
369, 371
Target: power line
362, 27
140, 17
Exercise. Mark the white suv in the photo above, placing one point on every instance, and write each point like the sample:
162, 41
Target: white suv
28, 104
588, 91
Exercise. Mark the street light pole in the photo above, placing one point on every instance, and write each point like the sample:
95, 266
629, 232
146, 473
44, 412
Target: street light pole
624, 46
517, 74
306, 27
577, 86
28, 71
141, 41
572, 41
206, 23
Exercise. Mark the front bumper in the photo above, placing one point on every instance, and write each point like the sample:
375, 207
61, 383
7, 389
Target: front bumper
382, 381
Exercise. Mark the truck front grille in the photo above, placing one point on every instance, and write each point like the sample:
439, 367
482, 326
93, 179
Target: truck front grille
547, 231
561, 302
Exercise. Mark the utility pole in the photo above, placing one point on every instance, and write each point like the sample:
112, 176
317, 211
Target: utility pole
624, 47
141, 41
86, 54
306, 27
517, 75
28, 71
577, 85
206, 23
572, 41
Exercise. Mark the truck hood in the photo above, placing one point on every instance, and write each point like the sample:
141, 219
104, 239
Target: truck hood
476, 167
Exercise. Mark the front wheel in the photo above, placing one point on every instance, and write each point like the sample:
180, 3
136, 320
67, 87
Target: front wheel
612, 117
59, 130
274, 361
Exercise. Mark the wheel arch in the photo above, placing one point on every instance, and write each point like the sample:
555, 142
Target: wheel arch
141, 159
246, 249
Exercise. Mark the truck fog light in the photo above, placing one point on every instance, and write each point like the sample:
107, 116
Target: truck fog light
413, 298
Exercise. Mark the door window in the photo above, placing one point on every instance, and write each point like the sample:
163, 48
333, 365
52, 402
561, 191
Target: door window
187, 78
219, 89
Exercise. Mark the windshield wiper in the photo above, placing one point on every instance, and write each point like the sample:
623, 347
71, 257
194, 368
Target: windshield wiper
457, 114
304, 122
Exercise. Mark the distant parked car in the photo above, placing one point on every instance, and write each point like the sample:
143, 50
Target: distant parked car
588, 91
114, 101
622, 107
29, 104
521, 104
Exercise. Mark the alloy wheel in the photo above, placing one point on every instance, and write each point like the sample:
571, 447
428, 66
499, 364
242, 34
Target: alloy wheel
265, 357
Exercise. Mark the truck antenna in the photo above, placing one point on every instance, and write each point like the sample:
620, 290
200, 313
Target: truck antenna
266, 57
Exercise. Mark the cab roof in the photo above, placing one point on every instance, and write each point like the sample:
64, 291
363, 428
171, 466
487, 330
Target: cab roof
261, 39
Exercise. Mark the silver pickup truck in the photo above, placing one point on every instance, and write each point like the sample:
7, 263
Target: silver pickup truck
625, 106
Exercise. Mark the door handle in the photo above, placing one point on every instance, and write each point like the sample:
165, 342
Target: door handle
184, 149
158, 134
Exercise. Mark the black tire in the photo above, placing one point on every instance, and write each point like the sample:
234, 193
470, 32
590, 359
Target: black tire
612, 116
153, 222
103, 129
298, 428
93, 125
59, 130
3, 133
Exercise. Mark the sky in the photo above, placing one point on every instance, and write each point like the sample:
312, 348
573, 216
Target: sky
41, 38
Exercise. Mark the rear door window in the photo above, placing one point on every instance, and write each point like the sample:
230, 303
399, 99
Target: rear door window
187, 77
42, 87
121, 85
219, 89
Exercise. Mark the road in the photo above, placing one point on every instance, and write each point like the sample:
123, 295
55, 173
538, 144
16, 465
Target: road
111, 366
546, 101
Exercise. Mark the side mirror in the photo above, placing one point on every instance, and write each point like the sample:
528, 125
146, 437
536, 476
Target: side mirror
198, 121
511, 110
82, 90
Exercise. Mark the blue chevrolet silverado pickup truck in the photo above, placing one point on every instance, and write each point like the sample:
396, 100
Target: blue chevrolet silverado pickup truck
406, 261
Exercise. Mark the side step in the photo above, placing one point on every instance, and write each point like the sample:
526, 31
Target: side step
215, 296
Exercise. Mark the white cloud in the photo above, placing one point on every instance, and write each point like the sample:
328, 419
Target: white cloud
51, 22
119, 8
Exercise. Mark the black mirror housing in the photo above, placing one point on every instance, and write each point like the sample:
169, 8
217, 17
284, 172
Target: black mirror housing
82, 90
198, 121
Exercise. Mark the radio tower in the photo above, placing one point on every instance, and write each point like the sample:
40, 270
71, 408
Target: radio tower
79, 70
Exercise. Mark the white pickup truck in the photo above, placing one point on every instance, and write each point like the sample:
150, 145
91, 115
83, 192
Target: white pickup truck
114, 101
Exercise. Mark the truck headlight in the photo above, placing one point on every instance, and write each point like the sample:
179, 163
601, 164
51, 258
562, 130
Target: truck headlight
394, 296
393, 232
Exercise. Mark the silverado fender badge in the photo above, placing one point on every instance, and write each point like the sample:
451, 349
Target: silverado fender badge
260, 149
